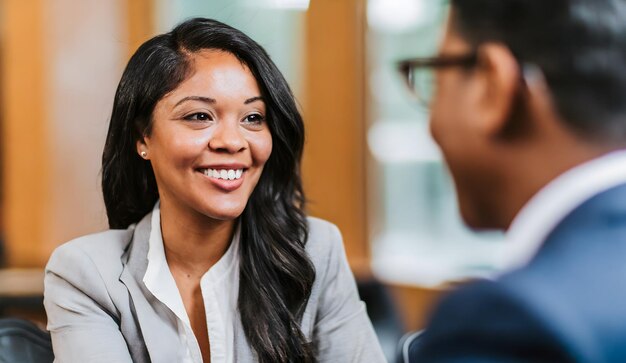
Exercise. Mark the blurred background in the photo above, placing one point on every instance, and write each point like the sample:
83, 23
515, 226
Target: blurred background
370, 165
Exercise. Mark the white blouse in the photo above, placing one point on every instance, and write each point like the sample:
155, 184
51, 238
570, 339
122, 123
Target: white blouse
219, 286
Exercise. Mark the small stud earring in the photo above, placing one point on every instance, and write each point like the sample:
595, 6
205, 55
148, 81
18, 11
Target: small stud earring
144, 154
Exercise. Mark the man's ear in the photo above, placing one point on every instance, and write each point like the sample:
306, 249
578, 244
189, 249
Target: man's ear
501, 79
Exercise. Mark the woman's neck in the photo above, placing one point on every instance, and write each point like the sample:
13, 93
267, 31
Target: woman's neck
193, 242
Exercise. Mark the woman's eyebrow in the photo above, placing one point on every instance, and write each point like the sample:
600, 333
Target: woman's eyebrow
195, 98
253, 99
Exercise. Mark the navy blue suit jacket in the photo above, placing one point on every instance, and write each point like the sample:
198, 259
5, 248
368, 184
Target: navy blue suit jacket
567, 305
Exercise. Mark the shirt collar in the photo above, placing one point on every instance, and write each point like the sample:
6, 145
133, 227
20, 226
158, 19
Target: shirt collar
543, 212
158, 277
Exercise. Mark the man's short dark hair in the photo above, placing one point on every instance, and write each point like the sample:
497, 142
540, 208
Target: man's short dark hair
580, 45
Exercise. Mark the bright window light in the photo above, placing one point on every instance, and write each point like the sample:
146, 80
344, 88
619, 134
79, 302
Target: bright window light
291, 4
401, 142
396, 16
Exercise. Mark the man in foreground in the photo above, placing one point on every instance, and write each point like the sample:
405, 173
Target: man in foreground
529, 108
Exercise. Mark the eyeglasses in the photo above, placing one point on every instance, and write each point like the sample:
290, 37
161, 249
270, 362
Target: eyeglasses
419, 73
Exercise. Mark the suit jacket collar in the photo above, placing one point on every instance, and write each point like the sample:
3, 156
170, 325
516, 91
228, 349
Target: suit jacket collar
601, 213
555, 201
158, 327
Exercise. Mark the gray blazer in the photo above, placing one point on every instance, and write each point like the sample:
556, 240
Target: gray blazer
100, 311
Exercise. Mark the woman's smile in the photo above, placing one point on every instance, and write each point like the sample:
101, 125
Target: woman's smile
210, 139
225, 177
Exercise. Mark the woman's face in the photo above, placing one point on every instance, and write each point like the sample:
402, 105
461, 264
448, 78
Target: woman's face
209, 139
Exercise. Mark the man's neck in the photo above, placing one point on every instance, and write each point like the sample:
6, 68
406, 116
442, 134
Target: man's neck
536, 168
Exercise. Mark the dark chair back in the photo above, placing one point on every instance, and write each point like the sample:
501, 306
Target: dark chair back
408, 344
21, 341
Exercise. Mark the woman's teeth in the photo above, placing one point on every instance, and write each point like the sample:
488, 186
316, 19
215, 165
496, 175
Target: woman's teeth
224, 174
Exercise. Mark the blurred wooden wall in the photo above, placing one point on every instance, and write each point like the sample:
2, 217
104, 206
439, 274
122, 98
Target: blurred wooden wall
334, 112
139, 23
335, 156
57, 87
24, 121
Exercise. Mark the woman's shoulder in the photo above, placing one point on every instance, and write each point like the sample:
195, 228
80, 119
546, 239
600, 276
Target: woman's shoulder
83, 275
97, 249
324, 241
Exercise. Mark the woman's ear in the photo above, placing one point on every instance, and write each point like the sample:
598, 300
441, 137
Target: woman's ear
142, 148
501, 76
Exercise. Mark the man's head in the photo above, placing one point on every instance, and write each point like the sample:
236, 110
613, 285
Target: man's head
547, 91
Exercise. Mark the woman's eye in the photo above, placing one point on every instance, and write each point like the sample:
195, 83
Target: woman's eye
254, 118
198, 116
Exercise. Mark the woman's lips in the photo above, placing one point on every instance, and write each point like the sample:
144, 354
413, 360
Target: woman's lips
224, 179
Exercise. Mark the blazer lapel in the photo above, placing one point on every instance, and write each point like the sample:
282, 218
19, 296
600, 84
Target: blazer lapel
157, 324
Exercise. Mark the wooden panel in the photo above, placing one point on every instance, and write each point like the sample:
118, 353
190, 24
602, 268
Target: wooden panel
24, 121
84, 62
140, 16
334, 157
43, 100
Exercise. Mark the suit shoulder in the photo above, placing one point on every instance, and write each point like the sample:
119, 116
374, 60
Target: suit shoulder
499, 319
471, 297
475, 297
101, 249
324, 236
317, 225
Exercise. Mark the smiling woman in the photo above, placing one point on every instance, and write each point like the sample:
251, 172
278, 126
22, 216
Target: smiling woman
209, 139
210, 256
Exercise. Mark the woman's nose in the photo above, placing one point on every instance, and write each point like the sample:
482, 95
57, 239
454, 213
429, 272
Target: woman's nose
227, 137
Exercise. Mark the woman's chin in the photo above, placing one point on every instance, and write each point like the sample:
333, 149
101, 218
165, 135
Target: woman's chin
224, 214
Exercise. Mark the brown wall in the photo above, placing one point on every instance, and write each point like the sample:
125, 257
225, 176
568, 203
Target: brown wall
334, 157
25, 119
139, 23
57, 87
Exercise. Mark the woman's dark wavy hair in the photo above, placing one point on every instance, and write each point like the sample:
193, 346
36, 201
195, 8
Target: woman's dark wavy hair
276, 274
